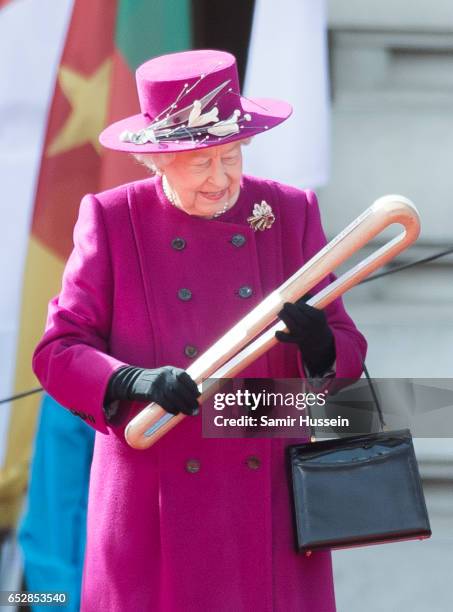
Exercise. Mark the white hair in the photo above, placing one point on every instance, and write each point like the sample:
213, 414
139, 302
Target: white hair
157, 162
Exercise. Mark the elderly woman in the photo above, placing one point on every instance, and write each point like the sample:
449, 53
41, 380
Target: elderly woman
160, 269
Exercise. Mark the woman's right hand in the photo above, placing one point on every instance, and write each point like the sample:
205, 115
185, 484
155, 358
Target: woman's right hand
170, 387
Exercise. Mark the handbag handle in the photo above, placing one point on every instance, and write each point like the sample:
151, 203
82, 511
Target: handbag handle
382, 423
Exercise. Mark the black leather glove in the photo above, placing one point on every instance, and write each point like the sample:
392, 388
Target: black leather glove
308, 328
170, 387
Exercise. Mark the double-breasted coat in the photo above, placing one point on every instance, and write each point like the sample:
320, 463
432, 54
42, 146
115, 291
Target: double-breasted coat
191, 524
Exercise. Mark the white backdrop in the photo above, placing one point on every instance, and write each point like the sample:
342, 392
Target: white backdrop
288, 60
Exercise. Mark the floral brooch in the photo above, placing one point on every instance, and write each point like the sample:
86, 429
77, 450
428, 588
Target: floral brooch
262, 217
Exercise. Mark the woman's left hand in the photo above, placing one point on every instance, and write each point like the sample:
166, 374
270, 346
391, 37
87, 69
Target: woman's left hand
308, 328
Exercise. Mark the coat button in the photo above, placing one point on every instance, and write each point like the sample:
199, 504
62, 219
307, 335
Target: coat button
253, 462
245, 291
238, 240
178, 244
190, 351
184, 294
193, 466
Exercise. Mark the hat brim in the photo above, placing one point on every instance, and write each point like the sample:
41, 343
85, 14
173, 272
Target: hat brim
266, 113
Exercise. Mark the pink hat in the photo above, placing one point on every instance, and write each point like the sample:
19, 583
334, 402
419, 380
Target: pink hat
191, 100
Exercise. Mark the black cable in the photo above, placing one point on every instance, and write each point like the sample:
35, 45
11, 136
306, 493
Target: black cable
20, 395
406, 266
366, 280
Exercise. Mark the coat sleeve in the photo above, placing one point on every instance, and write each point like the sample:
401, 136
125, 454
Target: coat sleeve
350, 344
71, 361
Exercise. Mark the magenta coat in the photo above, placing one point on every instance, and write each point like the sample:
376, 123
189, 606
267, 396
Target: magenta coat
191, 524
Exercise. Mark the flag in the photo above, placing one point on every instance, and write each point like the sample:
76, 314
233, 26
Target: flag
52, 531
69, 167
95, 84
288, 59
27, 72
144, 29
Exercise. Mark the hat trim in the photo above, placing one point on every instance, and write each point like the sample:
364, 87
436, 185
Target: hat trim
190, 123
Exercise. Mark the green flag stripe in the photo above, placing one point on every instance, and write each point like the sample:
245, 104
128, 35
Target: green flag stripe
146, 28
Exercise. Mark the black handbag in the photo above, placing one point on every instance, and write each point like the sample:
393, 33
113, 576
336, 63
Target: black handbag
356, 490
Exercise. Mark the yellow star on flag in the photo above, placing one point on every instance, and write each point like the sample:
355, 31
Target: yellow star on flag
88, 97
